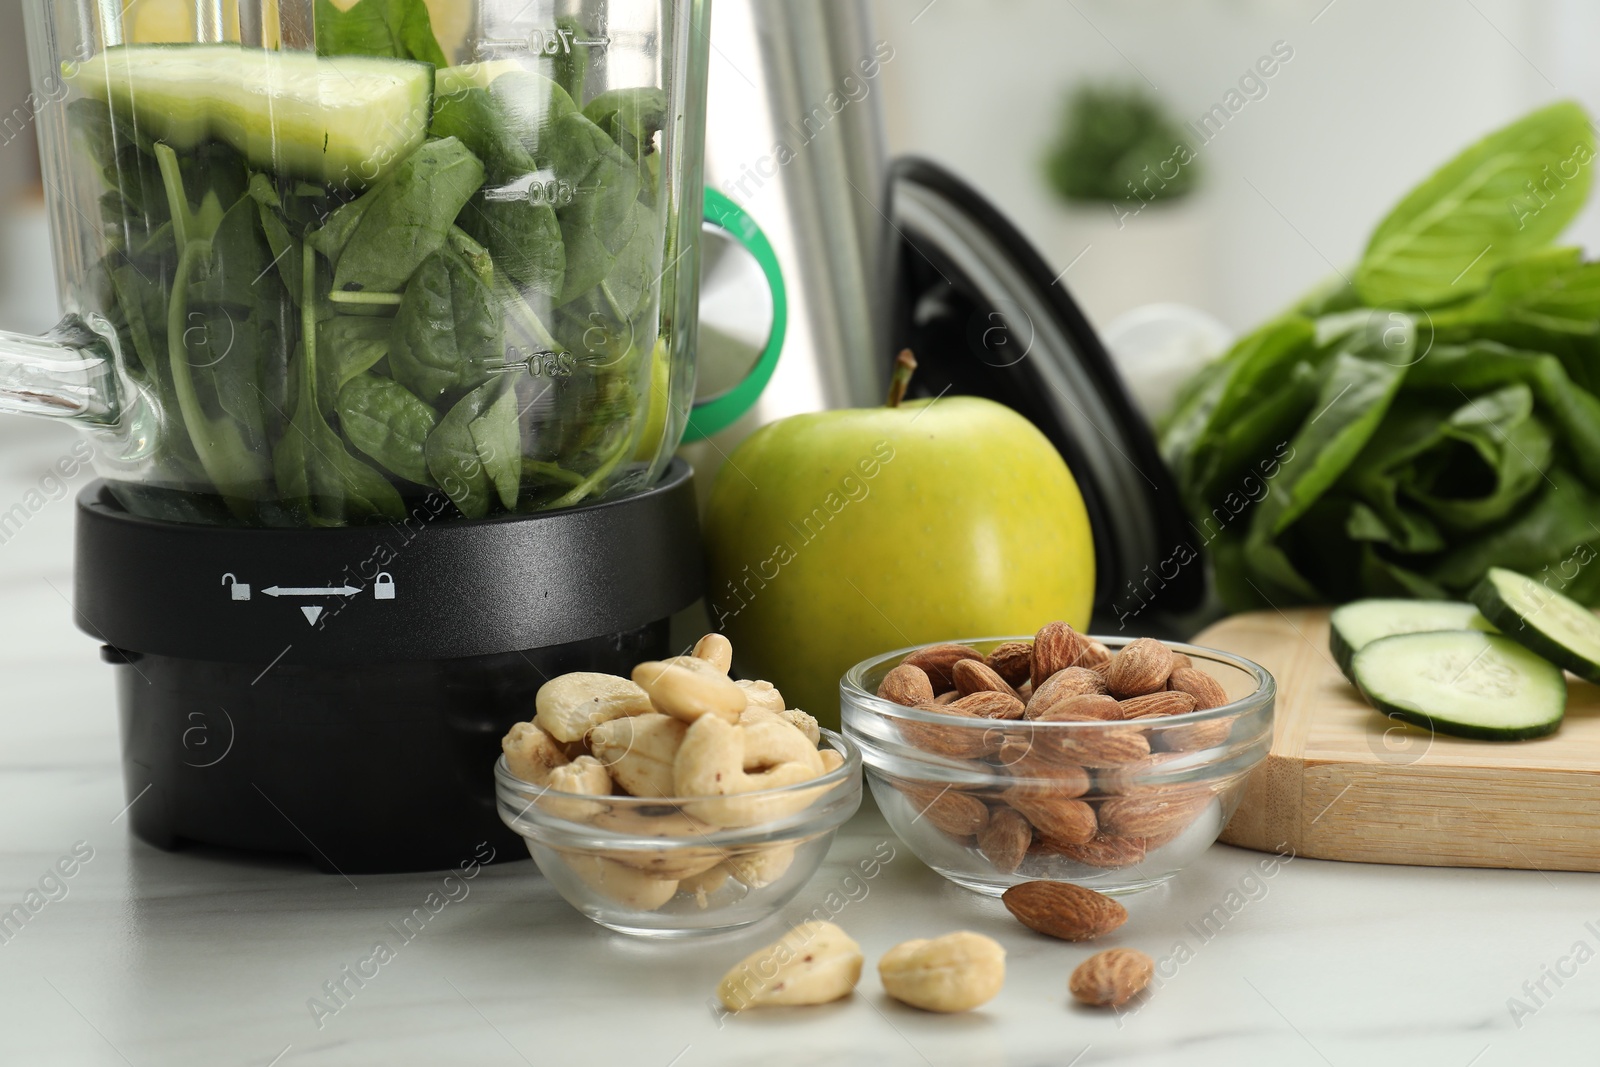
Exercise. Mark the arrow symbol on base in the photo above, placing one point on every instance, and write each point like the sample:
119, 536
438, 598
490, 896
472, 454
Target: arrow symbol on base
332, 590
311, 614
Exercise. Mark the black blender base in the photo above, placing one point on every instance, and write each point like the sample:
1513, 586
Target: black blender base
381, 767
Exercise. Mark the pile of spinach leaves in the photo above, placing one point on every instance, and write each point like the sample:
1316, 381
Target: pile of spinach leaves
1433, 414
477, 322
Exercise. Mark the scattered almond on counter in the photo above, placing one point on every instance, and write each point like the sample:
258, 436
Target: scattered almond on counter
1111, 978
1061, 909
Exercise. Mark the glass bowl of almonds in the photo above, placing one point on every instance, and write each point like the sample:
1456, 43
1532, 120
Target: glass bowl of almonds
677, 802
1107, 762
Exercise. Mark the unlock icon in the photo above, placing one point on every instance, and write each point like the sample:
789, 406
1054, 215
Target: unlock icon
383, 587
239, 590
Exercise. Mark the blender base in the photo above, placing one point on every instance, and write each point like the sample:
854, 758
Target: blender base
341, 693
361, 769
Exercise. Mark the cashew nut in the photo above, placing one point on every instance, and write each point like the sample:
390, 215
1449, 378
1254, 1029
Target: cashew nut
711, 763
761, 695
687, 693
831, 758
956, 972
666, 862
585, 776
695, 664
715, 649
769, 742
571, 705
531, 753
805, 724
639, 751
814, 963
704, 884
620, 882
760, 869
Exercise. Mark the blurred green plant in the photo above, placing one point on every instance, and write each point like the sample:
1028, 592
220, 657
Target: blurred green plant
1118, 143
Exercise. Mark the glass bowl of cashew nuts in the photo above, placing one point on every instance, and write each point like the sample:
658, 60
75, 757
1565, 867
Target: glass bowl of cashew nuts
1111, 763
678, 802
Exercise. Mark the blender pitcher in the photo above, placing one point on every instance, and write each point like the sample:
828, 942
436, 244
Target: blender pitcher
382, 313
323, 261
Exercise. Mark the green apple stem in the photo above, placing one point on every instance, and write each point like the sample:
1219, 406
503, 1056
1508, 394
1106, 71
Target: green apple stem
905, 365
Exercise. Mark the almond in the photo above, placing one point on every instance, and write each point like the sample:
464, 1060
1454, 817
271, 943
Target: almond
1182, 662
1054, 815
1019, 759
1192, 737
907, 685
1111, 978
1074, 681
1154, 705
957, 814
1158, 816
1075, 707
972, 676
946, 698
1105, 851
1206, 690
1094, 655
1064, 910
1012, 661
988, 704
1141, 667
955, 741
1092, 746
1132, 778
936, 661
1005, 840
1056, 647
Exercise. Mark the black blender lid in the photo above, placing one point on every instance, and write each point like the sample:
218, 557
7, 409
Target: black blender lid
987, 317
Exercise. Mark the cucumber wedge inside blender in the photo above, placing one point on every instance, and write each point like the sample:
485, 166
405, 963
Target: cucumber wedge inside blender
332, 119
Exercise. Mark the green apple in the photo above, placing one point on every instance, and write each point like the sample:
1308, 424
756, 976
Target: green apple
835, 536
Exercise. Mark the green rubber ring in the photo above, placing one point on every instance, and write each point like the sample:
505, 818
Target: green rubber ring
718, 414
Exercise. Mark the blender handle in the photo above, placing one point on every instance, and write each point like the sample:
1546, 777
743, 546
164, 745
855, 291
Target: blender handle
718, 413
69, 373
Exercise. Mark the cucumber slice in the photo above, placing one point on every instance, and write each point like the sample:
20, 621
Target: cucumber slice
1552, 624
1357, 624
338, 120
1463, 682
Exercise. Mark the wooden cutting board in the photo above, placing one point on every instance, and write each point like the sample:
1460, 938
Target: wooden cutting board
1344, 783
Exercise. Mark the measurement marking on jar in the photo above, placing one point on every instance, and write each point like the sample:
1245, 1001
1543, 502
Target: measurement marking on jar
555, 192
560, 42
539, 363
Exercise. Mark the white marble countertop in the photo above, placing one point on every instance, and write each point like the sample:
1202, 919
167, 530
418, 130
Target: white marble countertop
165, 959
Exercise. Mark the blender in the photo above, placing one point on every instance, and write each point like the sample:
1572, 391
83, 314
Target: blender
382, 317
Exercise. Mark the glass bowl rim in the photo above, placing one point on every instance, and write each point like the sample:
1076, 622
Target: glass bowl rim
849, 769
853, 692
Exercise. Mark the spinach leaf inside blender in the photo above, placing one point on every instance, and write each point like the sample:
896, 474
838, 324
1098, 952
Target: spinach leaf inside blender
368, 308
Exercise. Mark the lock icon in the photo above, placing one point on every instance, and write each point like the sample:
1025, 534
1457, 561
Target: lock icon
383, 587
239, 590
